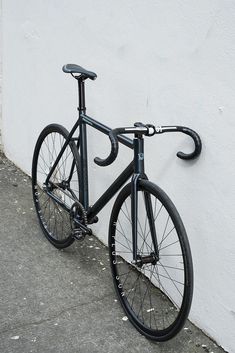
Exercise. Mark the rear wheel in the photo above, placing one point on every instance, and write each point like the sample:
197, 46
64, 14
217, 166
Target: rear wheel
156, 292
54, 216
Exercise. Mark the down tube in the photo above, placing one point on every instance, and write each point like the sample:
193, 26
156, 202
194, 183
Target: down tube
110, 192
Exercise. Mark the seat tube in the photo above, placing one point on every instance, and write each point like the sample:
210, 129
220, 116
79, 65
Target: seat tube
83, 173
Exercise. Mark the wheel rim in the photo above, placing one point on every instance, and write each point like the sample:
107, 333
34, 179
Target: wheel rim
63, 184
154, 295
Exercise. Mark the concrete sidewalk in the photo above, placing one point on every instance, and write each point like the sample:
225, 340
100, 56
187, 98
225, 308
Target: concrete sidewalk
63, 301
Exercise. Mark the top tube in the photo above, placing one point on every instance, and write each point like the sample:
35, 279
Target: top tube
106, 130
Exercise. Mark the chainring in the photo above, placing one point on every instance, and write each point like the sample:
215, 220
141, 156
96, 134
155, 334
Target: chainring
77, 211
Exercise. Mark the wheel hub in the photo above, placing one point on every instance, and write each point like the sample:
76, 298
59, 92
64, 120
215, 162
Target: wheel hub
148, 259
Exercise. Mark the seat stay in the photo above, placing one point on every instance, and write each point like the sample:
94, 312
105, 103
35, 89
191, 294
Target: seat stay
67, 141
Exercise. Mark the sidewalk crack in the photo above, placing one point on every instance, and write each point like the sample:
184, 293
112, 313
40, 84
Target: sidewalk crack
55, 316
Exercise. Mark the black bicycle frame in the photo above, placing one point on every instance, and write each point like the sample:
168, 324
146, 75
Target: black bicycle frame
135, 168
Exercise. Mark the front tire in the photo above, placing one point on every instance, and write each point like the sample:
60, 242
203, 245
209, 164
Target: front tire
156, 296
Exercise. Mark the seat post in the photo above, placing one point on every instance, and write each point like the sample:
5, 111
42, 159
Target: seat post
81, 95
83, 177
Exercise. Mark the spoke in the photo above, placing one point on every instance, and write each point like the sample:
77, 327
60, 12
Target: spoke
150, 299
150, 247
139, 222
62, 164
126, 216
45, 165
145, 224
56, 232
144, 238
49, 151
123, 246
123, 252
45, 201
135, 289
125, 274
173, 280
41, 155
129, 217
53, 137
127, 240
171, 255
167, 246
49, 209
142, 303
155, 218
65, 161
164, 231
164, 291
131, 223
166, 237
172, 267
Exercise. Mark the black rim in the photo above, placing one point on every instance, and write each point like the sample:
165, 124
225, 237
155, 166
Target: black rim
155, 295
54, 216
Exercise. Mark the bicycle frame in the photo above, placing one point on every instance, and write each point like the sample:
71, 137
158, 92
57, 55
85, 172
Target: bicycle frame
135, 168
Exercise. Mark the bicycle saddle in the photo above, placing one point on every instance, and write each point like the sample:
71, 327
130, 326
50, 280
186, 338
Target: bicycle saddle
75, 69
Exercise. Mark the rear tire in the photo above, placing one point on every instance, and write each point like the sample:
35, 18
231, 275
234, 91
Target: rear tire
156, 296
53, 218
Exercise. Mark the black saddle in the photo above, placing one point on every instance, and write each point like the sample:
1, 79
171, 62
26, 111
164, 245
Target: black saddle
75, 69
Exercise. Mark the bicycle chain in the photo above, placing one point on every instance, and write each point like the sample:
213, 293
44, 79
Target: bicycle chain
80, 206
77, 233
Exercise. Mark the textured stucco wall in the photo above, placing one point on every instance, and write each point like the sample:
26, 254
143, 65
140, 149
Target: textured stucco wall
164, 62
0, 75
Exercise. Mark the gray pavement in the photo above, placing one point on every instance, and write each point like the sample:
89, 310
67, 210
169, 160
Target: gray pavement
63, 301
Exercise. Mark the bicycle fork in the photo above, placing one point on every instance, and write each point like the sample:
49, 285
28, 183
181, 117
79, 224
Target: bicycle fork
139, 174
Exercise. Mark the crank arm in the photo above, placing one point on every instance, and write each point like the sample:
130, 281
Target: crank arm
82, 228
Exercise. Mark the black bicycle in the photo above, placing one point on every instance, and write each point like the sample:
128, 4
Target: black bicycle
149, 250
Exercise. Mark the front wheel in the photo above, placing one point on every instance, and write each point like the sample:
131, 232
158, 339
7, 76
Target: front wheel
156, 292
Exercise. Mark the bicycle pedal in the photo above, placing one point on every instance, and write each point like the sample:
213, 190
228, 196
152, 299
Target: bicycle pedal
89, 231
78, 235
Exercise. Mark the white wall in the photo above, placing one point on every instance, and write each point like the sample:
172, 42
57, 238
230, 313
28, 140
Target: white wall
163, 62
0, 75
